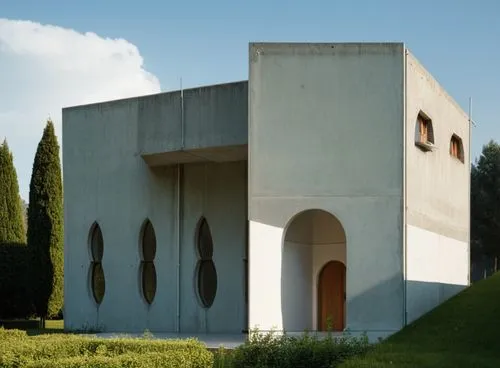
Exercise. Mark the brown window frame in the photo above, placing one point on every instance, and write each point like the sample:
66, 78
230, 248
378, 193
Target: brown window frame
457, 148
423, 130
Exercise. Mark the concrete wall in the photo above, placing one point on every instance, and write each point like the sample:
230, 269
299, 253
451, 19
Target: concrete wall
106, 180
297, 285
437, 196
217, 192
325, 132
208, 117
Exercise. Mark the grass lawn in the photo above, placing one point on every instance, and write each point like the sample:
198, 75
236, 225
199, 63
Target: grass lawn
462, 332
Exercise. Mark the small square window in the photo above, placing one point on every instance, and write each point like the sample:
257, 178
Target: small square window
424, 133
457, 147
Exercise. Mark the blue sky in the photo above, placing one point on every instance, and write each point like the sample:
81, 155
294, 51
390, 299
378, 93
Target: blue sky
206, 42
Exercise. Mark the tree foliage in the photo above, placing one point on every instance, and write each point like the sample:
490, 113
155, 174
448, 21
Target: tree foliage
15, 299
45, 226
485, 202
12, 229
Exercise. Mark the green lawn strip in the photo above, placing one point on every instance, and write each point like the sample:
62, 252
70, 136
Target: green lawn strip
462, 332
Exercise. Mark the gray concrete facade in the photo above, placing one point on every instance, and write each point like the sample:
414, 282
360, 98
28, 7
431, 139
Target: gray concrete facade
320, 129
108, 181
335, 139
437, 187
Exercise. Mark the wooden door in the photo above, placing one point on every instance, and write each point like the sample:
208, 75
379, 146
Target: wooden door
331, 297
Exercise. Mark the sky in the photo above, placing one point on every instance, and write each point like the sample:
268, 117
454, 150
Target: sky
55, 53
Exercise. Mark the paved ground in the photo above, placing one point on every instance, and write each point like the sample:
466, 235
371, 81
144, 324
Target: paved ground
228, 341
212, 341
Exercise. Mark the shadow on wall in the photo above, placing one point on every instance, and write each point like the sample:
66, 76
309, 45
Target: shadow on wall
379, 308
374, 301
425, 296
312, 239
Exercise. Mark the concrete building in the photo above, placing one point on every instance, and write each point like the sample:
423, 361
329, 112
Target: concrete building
331, 190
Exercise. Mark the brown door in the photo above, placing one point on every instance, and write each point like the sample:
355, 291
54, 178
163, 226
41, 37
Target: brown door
331, 297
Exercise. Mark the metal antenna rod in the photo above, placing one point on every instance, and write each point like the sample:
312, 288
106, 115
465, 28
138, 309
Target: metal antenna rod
470, 113
182, 116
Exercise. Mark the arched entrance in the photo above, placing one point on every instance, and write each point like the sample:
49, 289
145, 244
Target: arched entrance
331, 297
313, 279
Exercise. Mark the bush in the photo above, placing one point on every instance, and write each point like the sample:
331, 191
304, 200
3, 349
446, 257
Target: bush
172, 359
19, 350
15, 301
286, 351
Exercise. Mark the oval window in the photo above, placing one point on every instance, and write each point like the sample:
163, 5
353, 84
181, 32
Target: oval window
207, 282
98, 283
148, 281
206, 271
148, 270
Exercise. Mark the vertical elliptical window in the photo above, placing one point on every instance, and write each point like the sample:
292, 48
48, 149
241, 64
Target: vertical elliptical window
97, 283
206, 272
148, 270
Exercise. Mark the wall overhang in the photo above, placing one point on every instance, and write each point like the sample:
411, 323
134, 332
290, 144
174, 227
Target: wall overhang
195, 125
212, 154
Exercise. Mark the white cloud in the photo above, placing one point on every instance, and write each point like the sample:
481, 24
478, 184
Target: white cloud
44, 68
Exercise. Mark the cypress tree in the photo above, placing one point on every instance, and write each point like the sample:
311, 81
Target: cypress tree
12, 229
45, 227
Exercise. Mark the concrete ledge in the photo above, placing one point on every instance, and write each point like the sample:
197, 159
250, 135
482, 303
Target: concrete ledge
197, 118
214, 154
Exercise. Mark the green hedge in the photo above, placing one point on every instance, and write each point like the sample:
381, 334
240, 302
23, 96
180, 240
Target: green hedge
15, 301
284, 351
171, 359
60, 350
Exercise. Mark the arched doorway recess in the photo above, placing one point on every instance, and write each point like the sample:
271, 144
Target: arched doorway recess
314, 273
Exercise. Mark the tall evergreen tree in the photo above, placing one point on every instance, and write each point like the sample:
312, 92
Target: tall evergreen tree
45, 226
485, 203
12, 229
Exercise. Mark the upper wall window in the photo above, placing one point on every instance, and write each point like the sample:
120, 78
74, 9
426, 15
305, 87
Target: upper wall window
457, 147
148, 270
424, 133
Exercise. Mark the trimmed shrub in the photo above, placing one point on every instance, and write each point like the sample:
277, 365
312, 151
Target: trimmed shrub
12, 334
171, 359
269, 350
60, 350
45, 227
14, 282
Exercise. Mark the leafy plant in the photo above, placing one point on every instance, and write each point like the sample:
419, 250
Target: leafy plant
283, 351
